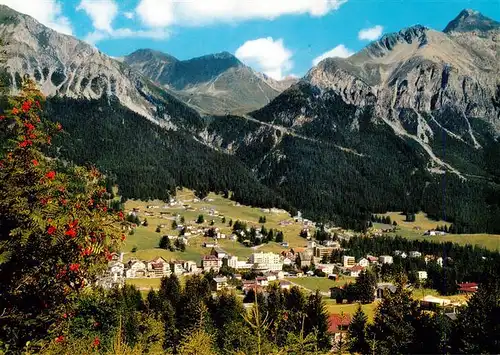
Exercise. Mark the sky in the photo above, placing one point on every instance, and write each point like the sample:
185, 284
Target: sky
278, 37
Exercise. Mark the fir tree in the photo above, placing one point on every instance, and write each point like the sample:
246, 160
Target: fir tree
479, 323
393, 327
357, 337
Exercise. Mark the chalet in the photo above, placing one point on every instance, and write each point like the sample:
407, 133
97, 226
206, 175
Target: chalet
176, 267
116, 270
285, 285
383, 287
372, 259
355, 270
218, 252
285, 244
363, 262
237, 276
386, 259
331, 243
270, 276
262, 281
326, 268
415, 254
338, 324
209, 244
401, 254
287, 261
468, 287
190, 266
211, 262
304, 259
158, 267
434, 233
218, 283
422, 275
136, 269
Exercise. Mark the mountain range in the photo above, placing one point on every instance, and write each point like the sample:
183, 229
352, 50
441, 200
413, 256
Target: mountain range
212, 84
411, 122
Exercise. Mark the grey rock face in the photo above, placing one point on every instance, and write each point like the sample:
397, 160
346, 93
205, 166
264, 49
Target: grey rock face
423, 70
62, 65
214, 84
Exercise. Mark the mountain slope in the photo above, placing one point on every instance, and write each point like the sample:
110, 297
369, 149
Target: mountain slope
64, 66
118, 120
214, 84
405, 124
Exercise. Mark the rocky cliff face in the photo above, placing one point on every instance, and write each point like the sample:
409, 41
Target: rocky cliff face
213, 84
64, 66
423, 70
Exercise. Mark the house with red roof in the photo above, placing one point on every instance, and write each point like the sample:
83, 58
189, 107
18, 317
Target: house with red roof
338, 324
468, 287
355, 270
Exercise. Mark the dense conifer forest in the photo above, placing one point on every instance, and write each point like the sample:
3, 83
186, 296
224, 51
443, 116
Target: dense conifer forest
379, 172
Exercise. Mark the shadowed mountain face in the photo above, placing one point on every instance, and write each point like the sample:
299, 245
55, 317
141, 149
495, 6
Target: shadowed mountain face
469, 21
214, 84
408, 123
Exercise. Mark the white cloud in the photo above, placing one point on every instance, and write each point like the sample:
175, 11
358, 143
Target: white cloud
102, 13
266, 55
340, 51
48, 12
156, 13
371, 34
162, 13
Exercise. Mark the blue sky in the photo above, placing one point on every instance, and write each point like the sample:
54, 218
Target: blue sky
279, 37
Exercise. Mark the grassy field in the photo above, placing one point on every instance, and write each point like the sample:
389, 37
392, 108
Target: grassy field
146, 239
407, 230
322, 284
145, 284
334, 308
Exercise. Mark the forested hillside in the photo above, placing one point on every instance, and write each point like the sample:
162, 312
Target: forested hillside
146, 160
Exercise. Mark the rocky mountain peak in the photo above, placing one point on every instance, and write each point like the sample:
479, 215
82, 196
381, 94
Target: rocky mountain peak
151, 54
470, 20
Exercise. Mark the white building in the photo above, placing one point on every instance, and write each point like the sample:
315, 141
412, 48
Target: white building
177, 268
363, 262
422, 275
234, 263
116, 270
136, 269
386, 259
311, 244
269, 261
158, 267
348, 261
415, 254
326, 268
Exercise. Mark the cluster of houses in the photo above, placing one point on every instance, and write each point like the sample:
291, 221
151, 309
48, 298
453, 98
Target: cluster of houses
268, 264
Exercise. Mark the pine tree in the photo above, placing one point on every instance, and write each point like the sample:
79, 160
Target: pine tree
479, 323
393, 326
365, 286
170, 290
165, 243
357, 336
317, 320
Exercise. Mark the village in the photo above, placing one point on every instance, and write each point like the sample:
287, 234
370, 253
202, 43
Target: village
304, 259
